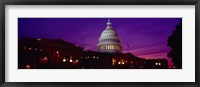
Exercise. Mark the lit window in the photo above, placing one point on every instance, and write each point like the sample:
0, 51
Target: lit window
44, 60
113, 60
70, 59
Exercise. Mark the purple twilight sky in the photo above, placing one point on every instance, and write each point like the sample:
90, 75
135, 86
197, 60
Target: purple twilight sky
143, 37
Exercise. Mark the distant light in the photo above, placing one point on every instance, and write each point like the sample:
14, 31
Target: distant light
24, 47
159, 63
29, 48
35, 48
39, 39
97, 57
131, 62
76, 60
64, 60
123, 63
94, 57
40, 49
45, 57
57, 52
119, 62
156, 63
70, 60
28, 66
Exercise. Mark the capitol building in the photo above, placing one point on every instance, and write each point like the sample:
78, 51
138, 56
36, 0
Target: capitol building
109, 40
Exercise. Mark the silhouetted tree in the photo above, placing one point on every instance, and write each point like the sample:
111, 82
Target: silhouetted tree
175, 42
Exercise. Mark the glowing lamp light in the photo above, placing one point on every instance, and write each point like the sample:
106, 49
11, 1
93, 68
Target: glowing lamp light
156, 63
70, 60
64, 60
57, 52
123, 63
119, 62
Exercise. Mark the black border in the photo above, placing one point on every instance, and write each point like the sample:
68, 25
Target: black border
98, 2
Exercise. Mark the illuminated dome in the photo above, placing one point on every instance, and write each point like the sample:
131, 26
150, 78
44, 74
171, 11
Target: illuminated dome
109, 40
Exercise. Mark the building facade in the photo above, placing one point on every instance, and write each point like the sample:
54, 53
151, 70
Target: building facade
47, 53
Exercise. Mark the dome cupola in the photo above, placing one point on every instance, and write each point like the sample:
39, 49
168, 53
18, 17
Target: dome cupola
109, 40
